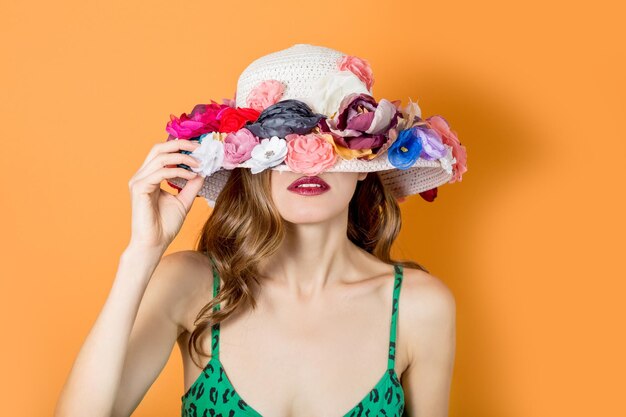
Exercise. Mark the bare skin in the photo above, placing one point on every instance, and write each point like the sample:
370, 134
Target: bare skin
340, 337
321, 328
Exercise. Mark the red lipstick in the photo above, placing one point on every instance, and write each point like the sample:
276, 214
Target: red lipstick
309, 186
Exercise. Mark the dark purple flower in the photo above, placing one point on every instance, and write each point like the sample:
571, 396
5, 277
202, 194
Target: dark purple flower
283, 118
362, 124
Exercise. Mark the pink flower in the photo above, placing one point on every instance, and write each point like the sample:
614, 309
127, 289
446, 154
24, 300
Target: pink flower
238, 147
449, 137
360, 67
310, 154
202, 119
230, 102
265, 94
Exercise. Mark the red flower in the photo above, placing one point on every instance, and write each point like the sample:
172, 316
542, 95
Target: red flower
206, 118
429, 195
171, 184
232, 119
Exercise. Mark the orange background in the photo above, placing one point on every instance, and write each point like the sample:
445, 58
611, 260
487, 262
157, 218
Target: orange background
530, 242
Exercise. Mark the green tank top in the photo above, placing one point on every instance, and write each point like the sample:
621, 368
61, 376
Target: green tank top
213, 395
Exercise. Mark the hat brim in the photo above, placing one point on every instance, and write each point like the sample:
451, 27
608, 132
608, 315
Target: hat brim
423, 175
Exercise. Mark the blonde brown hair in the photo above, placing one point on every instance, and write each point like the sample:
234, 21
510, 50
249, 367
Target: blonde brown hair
245, 227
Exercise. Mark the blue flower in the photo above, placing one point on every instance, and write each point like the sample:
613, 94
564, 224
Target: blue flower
405, 150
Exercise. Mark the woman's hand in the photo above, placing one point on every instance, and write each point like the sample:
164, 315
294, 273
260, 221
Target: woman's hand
157, 215
138, 325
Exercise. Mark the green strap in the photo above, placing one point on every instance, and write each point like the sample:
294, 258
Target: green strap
398, 269
394, 315
215, 329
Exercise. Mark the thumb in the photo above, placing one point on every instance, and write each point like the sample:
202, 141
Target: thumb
190, 191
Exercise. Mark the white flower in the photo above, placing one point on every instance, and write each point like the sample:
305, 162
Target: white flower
447, 160
210, 202
413, 108
210, 154
328, 91
268, 153
383, 115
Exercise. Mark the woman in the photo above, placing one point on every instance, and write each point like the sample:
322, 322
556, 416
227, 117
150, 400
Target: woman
290, 305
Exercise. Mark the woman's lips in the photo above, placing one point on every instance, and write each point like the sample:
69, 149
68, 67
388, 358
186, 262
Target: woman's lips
309, 186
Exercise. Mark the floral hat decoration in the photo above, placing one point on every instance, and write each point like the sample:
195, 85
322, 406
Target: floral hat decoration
310, 109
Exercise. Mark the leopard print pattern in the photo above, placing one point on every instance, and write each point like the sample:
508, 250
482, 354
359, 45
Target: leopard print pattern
213, 395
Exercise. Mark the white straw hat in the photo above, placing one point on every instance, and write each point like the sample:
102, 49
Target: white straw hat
320, 78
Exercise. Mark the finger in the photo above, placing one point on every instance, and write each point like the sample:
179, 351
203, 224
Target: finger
173, 145
190, 191
167, 160
159, 175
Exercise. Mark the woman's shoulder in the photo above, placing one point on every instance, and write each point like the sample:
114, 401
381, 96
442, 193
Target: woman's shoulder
188, 259
427, 324
189, 268
426, 301
189, 282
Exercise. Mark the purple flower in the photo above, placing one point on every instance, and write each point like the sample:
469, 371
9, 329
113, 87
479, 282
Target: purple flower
362, 124
432, 145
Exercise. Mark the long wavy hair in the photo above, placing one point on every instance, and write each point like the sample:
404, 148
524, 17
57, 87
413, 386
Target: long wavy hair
246, 227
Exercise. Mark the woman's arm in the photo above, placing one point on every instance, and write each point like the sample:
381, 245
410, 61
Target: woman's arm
115, 367
429, 310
